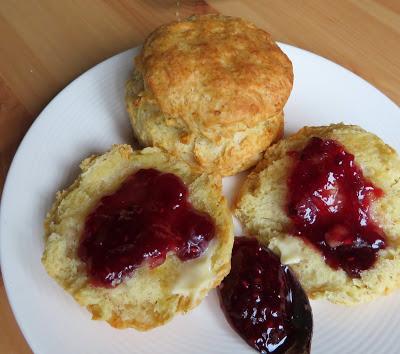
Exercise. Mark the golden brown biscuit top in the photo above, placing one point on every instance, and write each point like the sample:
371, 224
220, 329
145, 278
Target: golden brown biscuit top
214, 69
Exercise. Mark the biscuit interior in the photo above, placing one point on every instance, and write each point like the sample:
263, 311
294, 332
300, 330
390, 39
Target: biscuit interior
210, 89
261, 207
150, 297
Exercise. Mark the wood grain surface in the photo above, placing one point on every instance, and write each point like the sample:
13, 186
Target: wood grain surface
45, 44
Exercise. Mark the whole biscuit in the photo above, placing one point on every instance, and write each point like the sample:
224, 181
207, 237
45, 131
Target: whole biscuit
211, 90
261, 207
150, 297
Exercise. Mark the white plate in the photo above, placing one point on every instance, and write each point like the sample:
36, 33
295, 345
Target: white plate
86, 118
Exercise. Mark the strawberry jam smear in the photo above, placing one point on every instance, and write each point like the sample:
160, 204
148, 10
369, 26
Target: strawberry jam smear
329, 205
147, 217
264, 302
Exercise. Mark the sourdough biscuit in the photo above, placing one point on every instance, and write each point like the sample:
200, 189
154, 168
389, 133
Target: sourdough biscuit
210, 89
151, 296
261, 207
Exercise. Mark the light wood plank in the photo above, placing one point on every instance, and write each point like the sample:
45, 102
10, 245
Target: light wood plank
15, 120
47, 50
11, 339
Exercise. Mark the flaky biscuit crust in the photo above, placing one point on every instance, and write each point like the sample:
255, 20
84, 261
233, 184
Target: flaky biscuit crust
215, 69
261, 207
146, 299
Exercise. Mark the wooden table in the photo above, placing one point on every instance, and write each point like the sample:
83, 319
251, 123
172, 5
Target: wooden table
46, 44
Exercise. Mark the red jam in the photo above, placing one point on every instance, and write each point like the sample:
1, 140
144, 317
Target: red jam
264, 302
329, 204
147, 217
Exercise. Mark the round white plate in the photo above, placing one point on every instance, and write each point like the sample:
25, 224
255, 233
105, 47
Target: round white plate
88, 117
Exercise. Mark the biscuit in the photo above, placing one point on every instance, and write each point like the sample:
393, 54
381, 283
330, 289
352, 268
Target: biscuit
261, 207
210, 89
151, 296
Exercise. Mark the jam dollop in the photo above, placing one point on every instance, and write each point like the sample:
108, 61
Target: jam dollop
264, 302
147, 217
329, 204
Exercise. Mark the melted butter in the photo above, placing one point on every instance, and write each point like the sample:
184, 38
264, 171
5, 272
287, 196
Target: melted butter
288, 248
195, 274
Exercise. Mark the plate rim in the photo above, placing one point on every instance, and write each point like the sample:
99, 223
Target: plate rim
18, 317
